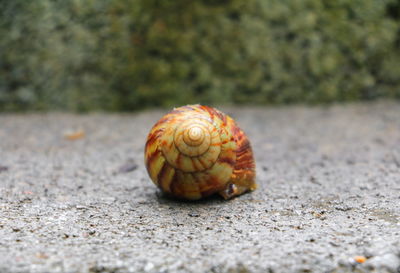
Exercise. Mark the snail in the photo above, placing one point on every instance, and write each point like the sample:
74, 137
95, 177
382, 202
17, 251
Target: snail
195, 151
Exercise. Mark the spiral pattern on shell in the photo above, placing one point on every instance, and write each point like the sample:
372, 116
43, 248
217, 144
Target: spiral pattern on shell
195, 151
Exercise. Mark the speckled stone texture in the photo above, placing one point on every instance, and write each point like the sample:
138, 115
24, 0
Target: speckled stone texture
329, 190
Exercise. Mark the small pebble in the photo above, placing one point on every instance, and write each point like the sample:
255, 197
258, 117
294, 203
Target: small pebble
360, 259
149, 267
194, 214
74, 135
343, 208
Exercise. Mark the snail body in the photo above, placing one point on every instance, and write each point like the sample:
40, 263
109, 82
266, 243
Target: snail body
195, 151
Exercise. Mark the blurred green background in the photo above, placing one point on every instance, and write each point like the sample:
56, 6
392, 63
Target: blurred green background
123, 55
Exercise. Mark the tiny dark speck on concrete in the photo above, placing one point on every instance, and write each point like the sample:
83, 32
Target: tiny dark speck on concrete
128, 166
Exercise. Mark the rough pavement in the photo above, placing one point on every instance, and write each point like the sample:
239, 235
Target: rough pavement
329, 190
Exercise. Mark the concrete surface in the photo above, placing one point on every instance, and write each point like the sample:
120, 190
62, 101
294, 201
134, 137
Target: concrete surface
329, 191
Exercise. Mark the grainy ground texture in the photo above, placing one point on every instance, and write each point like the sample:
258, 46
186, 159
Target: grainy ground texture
329, 190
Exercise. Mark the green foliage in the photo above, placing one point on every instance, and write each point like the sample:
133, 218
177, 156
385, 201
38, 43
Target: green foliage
130, 54
48, 55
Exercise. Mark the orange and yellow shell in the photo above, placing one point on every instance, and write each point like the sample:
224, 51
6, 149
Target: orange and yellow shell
195, 151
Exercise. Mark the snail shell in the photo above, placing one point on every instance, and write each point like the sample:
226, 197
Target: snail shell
195, 151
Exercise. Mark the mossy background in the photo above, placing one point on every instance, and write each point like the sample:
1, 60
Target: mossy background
123, 55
